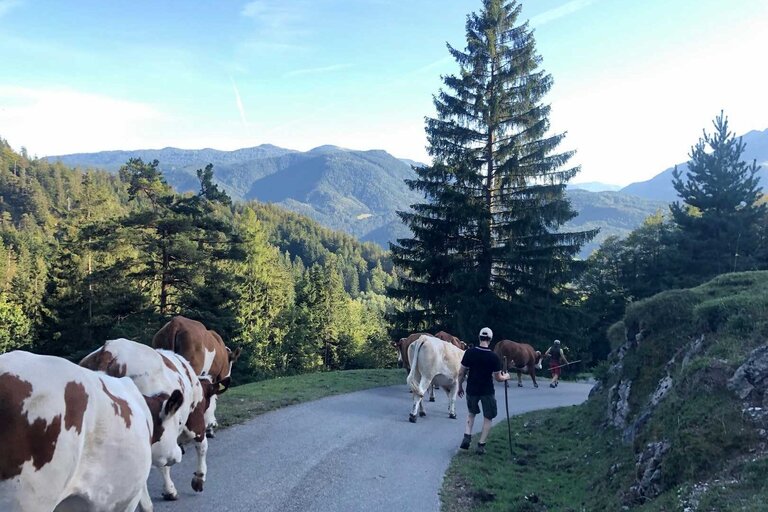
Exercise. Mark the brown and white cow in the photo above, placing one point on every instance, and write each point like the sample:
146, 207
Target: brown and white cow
520, 357
73, 439
157, 373
433, 361
206, 352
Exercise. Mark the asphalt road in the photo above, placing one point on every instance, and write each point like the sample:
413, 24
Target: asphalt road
354, 452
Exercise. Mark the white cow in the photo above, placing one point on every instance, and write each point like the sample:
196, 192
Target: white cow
433, 361
157, 372
72, 439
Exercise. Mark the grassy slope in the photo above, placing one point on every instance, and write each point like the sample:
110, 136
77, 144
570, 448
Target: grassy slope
242, 403
569, 460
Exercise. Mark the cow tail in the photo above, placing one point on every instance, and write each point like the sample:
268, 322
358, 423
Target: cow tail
414, 376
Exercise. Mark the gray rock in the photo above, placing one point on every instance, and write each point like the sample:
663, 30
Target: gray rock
750, 380
618, 404
648, 482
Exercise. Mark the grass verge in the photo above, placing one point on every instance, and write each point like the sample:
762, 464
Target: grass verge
241, 403
559, 464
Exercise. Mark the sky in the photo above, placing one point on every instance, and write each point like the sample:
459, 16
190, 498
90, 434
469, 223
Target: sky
635, 82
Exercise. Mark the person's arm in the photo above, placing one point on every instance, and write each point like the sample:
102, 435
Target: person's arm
462, 375
501, 376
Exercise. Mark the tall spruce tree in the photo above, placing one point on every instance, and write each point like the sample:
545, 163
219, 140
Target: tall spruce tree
487, 245
719, 213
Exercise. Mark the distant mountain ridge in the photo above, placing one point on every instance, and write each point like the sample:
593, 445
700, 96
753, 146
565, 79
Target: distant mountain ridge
660, 186
349, 190
359, 192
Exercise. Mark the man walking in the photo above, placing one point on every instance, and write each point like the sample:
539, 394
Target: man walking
483, 366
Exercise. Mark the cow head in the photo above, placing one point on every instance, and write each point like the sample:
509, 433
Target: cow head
398, 345
167, 425
538, 360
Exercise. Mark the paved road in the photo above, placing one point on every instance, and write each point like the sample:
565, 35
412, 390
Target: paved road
354, 452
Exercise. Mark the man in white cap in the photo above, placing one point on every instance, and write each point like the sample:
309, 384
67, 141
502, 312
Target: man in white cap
483, 365
556, 361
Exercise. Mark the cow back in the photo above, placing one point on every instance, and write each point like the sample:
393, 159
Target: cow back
431, 356
450, 338
203, 348
517, 354
62, 427
165, 389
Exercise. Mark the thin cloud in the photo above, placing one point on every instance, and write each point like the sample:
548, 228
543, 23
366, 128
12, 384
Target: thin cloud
239, 102
7, 5
318, 71
560, 12
438, 64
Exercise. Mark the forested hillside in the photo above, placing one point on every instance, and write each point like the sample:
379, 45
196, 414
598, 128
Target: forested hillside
89, 256
354, 191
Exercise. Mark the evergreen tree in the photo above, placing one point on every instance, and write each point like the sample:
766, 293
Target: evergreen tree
264, 295
487, 246
174, 236
719, 213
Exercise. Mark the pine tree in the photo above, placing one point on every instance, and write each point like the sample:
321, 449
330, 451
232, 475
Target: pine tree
487, 246
719, 213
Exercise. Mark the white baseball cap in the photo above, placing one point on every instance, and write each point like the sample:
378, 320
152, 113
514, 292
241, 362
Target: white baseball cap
485, 332
557, 342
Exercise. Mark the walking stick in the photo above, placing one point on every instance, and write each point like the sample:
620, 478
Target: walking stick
566, 364
506, 404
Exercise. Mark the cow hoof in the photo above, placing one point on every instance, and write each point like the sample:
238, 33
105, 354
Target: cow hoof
412, 418
431, 399
182, 449
209, 433
535, 385
170, 497
519, 385
197, 483
422, 413
452, 416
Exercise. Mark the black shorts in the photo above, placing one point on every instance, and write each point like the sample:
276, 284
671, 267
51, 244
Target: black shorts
489, 405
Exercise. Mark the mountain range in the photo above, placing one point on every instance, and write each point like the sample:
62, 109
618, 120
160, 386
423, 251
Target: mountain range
360, 191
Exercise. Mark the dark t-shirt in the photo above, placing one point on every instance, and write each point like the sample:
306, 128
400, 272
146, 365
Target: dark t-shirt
482, 363
554, 353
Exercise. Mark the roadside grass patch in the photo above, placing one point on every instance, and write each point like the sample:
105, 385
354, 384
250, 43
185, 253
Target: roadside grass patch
561, 462
241, 403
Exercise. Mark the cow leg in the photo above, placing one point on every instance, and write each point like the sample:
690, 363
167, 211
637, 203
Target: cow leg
417, 398
169, 490
532, 373
519, 379
431, 393
202, 467
145, 502
452, 392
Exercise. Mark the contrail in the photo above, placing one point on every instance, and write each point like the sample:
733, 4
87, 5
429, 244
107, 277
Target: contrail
239, 102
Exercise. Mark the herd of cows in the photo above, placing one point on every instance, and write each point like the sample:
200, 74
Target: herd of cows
434, 361
84, 437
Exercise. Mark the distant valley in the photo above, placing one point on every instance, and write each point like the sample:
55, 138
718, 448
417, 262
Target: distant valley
359, 192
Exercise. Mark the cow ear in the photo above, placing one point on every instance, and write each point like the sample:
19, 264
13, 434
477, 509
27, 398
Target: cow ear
173, 403
234, 355
223, 385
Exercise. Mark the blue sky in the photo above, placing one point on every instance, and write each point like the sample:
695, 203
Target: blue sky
635, 81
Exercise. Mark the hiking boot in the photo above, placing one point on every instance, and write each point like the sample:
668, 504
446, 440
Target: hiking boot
480, 448
465, 442
552, 384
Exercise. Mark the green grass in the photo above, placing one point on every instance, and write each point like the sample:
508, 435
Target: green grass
241, 403
559, 464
